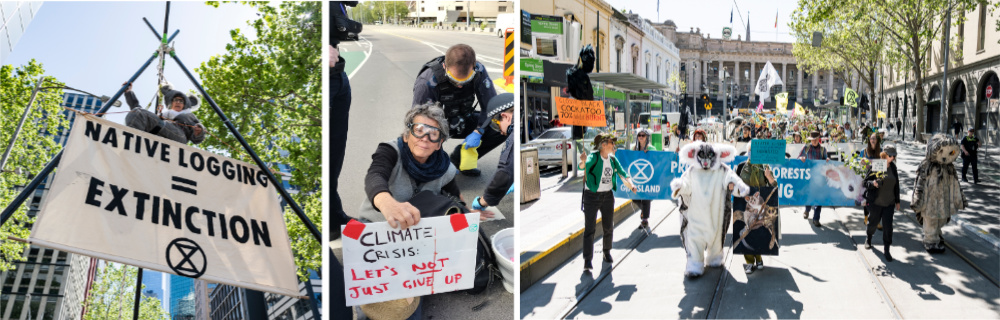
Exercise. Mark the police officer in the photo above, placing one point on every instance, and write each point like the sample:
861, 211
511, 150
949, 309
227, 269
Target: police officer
500, 117
456, 81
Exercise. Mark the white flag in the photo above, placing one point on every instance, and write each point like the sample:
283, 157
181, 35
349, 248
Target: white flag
768, 78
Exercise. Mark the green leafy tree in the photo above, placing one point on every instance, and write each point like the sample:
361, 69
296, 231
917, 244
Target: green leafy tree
912, 26
269, 84
32, 149
112, 296
852, 41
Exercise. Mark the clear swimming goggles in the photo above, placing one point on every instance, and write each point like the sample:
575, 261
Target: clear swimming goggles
420, 130
460, 82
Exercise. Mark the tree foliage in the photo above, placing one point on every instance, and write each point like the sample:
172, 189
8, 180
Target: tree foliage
269, 85
852, 40
112, 296
33, 148
386, 11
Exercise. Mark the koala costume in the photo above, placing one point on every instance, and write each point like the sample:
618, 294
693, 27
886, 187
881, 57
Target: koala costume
174, 125
705, 211
937, 194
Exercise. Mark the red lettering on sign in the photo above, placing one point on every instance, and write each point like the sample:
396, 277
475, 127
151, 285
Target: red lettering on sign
452, 279
368, 291
422, 282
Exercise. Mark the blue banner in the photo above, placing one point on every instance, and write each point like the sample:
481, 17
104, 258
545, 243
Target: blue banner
813, 182
651, 171
818, 183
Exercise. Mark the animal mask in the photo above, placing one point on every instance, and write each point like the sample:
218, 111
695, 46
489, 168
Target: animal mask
942, 149
707, 156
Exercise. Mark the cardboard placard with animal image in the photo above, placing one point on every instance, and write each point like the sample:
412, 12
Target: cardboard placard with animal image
755, 222
818, 183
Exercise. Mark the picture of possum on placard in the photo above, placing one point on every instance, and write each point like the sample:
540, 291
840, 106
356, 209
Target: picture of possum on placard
755, 222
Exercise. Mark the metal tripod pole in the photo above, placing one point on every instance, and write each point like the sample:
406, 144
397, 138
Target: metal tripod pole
246, 146
30, 188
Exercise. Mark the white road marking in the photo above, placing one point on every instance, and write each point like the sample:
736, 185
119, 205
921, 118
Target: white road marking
368, 53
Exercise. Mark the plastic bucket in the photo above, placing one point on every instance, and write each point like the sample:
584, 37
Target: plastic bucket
503, 249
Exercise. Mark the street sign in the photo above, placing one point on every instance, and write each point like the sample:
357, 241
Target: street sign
708, 106
989, 91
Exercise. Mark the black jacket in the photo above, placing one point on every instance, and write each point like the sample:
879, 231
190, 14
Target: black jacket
871, 192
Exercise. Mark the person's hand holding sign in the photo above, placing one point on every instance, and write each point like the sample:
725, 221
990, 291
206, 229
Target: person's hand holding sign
399, 214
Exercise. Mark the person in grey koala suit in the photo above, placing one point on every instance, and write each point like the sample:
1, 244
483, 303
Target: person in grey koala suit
937, 194
177, 123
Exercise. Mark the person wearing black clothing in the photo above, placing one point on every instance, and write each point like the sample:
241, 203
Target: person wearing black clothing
501, 118
970, 148
899, 128
957, 127
340, 107
456, 81
882, 197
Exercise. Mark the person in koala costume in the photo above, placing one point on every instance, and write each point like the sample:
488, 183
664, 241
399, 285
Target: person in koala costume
937, 194
705, 214
177, 123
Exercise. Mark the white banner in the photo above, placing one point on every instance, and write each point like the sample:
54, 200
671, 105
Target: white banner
128, 196
436, 255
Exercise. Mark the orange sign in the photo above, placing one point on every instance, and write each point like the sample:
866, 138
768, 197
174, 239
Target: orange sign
587, 113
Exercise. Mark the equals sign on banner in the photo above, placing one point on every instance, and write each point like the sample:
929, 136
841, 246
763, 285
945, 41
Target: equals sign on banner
184, 185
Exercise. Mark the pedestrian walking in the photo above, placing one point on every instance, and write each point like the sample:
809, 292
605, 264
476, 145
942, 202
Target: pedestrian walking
602, 176
642, 144
957, 128
813, 151
882, 197
970, 150
899, 128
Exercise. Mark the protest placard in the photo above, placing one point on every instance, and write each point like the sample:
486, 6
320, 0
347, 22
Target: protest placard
128, 196
382, 263
879, 165
767, 151
587, 113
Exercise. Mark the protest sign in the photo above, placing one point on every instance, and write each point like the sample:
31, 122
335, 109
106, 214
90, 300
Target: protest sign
128, 196
587, 113
382, 263
767, 151
651, 171
755, 222
818, 183
879, 165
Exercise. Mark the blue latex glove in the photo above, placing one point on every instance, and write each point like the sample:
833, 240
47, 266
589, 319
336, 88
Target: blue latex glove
472, 141
510, 190
476, 205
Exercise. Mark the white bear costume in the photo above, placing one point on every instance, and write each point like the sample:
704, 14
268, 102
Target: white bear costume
705, 206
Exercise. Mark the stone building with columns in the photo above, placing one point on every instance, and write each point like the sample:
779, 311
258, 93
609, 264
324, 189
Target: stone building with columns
702, 57
972, 90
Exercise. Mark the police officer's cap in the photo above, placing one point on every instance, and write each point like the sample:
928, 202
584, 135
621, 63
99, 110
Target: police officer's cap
499, 103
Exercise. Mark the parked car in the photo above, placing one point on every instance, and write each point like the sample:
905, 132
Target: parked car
504, 21
551, 154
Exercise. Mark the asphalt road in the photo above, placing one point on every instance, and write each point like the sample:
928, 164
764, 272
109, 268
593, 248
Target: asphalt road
820, 272
382, 67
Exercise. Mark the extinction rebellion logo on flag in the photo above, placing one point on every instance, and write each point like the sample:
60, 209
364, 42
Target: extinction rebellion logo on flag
131, 197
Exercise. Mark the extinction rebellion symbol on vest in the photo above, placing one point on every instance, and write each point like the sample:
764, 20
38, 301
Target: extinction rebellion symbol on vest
181, 257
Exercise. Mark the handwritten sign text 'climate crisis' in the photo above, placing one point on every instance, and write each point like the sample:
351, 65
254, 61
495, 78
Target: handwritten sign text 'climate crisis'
382, 263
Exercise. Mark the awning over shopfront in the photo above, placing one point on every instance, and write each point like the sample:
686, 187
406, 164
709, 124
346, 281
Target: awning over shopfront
626, 81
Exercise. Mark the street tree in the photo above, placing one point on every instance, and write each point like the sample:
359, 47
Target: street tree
269, 83
31, 151
112, 296
853, 43
912, 26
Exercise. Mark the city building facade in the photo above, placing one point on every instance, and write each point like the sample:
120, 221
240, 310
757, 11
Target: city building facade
16, 16
973, 88
50, 284
458, 11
